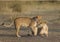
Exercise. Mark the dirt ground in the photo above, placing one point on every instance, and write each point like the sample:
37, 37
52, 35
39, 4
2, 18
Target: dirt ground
49, 11
8, 35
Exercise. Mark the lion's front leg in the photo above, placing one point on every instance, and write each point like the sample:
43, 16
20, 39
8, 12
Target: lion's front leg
34, 29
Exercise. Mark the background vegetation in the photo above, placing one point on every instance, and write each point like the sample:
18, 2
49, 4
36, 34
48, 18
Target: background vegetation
9, 10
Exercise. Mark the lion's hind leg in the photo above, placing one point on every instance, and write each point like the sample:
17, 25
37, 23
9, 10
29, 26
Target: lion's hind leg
17, 31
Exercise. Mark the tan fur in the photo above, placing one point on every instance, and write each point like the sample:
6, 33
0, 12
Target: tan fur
44, 28
27, 22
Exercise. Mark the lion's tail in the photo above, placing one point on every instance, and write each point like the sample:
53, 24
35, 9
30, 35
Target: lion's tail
3, 24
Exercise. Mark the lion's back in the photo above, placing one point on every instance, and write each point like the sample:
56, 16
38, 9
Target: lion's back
23, 21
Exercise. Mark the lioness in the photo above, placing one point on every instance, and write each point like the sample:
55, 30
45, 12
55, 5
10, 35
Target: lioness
27, 22
43, 28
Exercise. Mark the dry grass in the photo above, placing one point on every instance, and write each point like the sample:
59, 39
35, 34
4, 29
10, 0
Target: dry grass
9, 10
12, 9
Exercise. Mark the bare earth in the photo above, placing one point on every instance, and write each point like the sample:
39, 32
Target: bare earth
8, 35
49, 11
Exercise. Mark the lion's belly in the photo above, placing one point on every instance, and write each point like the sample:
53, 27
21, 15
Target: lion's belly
24, 24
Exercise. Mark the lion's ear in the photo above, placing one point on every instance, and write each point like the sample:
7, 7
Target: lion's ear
39, 17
